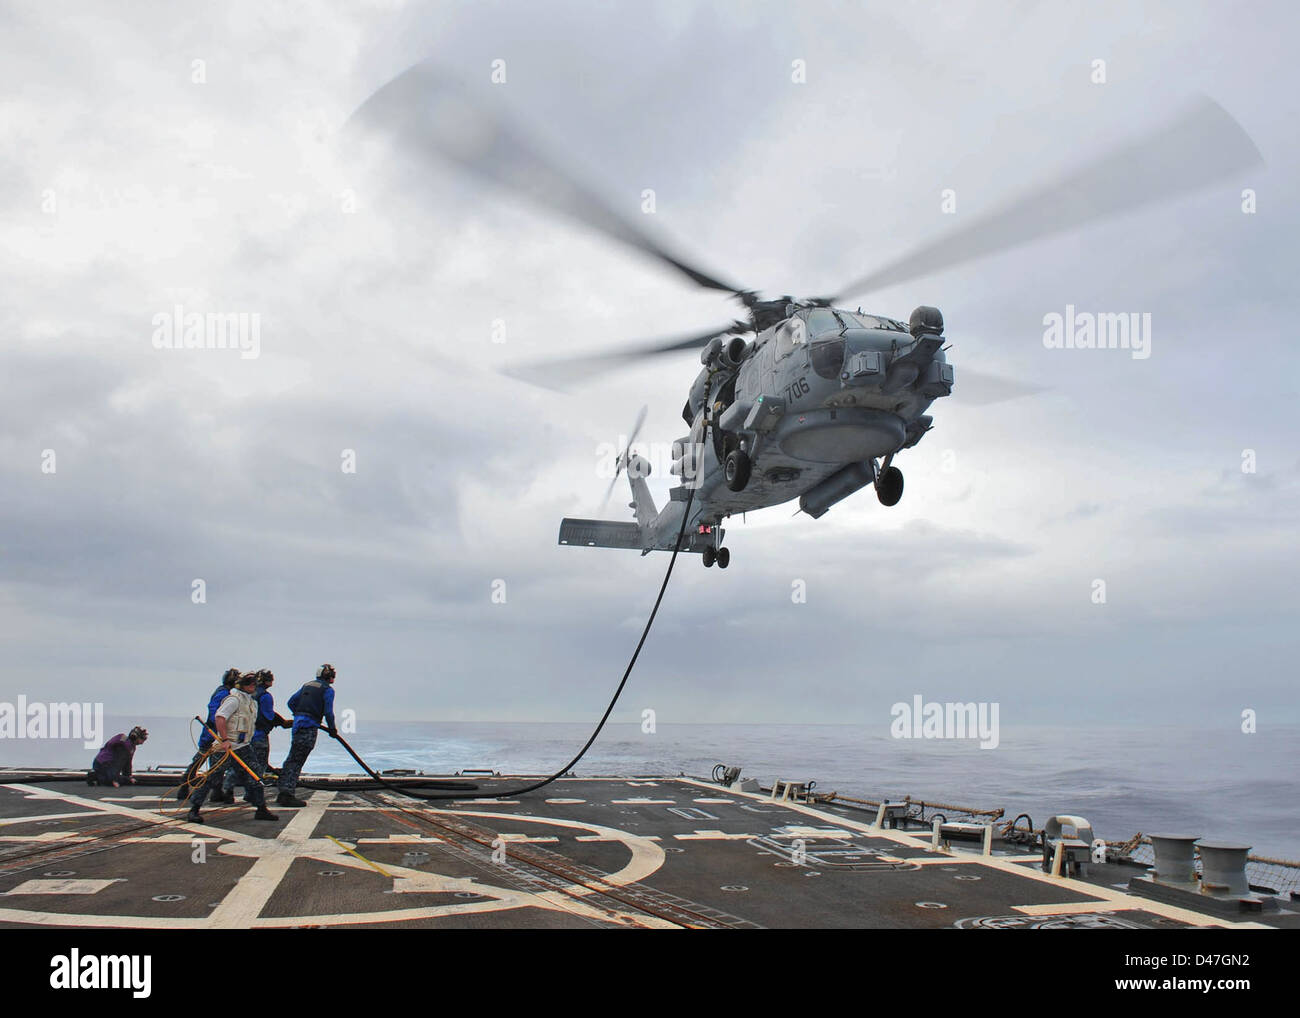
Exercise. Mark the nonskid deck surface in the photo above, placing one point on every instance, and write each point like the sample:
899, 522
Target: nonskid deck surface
581, 853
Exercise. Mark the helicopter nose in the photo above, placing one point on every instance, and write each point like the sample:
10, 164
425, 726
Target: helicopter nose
864, 356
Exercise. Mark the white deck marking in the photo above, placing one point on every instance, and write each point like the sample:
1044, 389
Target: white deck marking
128, 922
46, 816
812, 833
616, 837
516, 839
945, 860
713, 836
400, 839
647, 857
249, 896
565, 802
62, 886
69, 836
643, 802
715, 802
130, 798
1074, 907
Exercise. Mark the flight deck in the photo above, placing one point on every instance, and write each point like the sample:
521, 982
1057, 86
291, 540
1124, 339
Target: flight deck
648, 852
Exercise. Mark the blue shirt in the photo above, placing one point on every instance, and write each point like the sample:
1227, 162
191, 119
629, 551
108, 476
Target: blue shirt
266, 709
301, 721
205, 740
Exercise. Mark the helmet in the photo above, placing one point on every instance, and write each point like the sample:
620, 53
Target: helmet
245, 678
264, 675
138, 734
326, 673
230, 678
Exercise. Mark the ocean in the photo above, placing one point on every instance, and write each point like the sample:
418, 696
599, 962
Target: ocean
1124, 779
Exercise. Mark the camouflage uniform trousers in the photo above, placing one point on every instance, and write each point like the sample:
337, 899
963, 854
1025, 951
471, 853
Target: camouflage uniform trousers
235, 775
218, 774
304, 741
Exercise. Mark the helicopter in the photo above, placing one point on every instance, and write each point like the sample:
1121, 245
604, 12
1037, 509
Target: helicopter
815, 408
820, 402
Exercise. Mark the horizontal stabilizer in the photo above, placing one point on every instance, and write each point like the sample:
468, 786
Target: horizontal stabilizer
600, 534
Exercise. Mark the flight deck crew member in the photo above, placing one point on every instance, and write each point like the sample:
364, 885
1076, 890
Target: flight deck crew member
234, 721
311, 705
205, 737
114, 760
267, 719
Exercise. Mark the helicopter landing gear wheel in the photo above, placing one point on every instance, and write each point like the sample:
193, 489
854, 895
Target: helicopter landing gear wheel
724, 558
736, 470
889, 486
710, 556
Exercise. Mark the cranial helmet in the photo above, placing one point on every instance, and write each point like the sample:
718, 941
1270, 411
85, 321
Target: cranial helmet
325, 673
138, 734
230, 678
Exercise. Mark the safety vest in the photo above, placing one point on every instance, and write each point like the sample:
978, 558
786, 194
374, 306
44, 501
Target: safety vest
239, 726
310, 700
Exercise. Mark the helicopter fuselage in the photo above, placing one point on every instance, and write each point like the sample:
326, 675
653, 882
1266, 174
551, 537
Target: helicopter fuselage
819, 392
807, 410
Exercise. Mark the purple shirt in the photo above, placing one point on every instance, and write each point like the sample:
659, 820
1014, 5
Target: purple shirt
112, 747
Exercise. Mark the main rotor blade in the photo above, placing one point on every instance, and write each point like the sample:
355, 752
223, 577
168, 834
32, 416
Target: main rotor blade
1198, 147
560, 374
424, 111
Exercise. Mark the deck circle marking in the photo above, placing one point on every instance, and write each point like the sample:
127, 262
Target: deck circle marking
169, 897
930, 904
646, 857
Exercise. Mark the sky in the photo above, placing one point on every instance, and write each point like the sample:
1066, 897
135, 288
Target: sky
207, 156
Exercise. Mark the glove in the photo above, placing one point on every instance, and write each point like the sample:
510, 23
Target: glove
334, 732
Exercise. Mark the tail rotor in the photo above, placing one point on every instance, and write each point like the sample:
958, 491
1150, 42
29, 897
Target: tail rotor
624, 455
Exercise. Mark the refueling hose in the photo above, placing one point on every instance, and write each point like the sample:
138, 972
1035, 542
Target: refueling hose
686, 515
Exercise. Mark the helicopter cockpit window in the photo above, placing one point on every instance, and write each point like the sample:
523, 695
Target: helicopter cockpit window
790, 334
822, 320
873, 322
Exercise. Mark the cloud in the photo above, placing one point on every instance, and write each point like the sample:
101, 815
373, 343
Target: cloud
380, 287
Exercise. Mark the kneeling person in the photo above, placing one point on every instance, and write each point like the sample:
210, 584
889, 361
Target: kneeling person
235, 722
114, 760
